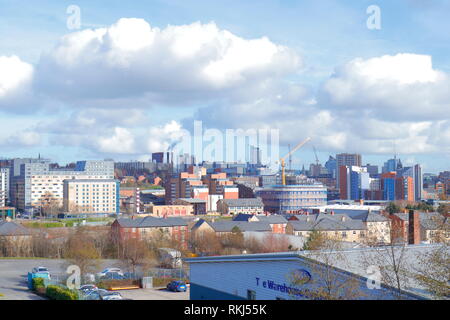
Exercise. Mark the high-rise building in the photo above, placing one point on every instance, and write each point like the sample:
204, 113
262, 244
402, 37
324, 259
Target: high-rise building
388, 183
354, 180
372, 169
4, 186
392, 165
331, 166
91, 196
38, 183
418, 182
346, 159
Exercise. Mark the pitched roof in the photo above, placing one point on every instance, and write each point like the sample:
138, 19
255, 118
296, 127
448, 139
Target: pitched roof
151, 222
227, 226
242, 217
8, 228
326, 222
271, 219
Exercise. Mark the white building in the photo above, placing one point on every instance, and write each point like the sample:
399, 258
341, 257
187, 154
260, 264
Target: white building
91, 196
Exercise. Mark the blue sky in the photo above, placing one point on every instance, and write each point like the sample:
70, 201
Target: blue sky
324, 35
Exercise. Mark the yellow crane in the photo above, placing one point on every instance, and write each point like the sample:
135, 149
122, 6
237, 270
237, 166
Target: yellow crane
283, 159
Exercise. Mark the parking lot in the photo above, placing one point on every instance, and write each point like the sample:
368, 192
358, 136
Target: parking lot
13, 281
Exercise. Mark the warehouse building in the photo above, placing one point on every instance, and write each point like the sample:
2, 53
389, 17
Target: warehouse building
269, 277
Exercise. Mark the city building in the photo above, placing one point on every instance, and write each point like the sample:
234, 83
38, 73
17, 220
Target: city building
198, 205
277, 222
292, 198
91, 196
346, 159
4, 186
227, 227
172, 228
130, 200
173, 210
237, 206
35, 184
354, 181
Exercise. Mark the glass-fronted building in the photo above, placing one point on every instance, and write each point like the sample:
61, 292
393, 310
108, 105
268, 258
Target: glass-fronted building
292, 198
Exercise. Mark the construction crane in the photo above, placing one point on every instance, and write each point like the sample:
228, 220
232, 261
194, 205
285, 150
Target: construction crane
283, 159
315, 153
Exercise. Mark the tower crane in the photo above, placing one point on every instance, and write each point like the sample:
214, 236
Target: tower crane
315, 153
283, 159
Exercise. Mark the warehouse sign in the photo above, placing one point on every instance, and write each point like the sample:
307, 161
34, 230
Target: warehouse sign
305, 277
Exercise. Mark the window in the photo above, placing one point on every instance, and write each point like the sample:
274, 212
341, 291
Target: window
251, 295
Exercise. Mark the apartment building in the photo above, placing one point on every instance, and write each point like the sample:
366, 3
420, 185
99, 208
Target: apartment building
91, 196
38, 184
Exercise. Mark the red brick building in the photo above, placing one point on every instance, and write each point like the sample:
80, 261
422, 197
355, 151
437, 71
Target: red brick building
145, 228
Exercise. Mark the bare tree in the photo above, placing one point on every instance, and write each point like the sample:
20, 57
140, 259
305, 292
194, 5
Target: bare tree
328, 283
81, 251
135, 253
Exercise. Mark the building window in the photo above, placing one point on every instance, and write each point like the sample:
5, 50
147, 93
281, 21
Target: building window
251, 295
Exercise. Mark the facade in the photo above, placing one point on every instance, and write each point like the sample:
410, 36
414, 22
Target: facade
4, 186
174, 228
174, 210
227, 227
292, 198
346, 159
267, 277
198, 205
237, 206
38, 184
130, 199
277, 222
91, 196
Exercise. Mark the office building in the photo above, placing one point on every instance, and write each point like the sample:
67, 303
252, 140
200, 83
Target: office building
292, 198
346, 159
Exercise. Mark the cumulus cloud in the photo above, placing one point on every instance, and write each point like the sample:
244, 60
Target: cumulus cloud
394, 88
25, 138
177, 63
16, 77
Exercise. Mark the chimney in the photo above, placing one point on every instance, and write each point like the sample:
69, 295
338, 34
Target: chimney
332, 212
414, 227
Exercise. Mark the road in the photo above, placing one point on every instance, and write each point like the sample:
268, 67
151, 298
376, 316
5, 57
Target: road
13, 281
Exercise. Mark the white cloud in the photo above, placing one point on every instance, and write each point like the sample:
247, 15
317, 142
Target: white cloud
178, 63
15, 82
122, 141
395, 88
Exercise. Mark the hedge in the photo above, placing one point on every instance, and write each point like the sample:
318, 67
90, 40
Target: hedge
37, 283
59, 293
107, 284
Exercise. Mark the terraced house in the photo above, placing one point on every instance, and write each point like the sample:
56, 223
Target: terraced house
148, 227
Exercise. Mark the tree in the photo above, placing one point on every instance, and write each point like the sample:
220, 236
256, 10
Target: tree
390, 260
392, 208
433, 271
316, 240
81, 251
135, 253
206, 243
326, 282
444, 209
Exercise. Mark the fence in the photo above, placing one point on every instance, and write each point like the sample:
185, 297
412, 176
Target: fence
168, 273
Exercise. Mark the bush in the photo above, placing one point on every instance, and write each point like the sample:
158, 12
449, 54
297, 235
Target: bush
37, 283
59, 293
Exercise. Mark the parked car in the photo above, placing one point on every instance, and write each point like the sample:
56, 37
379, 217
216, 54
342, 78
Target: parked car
41, 270
92, 295
108, 270
177, 286
113, 276
110, 295
88, 288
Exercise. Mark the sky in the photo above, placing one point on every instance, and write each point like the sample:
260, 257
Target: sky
131, 78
